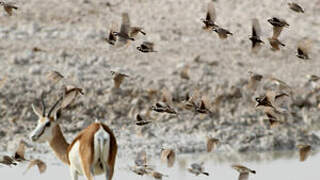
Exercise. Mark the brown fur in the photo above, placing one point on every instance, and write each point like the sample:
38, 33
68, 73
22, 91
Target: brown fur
60, 145
86, 154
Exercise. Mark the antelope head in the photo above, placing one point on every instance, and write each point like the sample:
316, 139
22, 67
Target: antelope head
46, 122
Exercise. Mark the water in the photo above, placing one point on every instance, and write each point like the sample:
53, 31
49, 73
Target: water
285, 166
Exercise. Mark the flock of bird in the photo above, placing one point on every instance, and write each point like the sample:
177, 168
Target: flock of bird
194, 103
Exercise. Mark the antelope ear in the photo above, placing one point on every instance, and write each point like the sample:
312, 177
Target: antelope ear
36, 110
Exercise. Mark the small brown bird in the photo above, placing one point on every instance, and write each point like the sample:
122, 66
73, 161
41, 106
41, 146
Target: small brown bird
209, 22
41, 165
118, 78
304, 151
184, 73
54, 76
222, 33
135, 30
7, 160
204, 106
255, 37
197, 169
140, 170
303, 49
212, 143
277, 22
8, 7
140, 121
146, 47
168, 156
295, 7
244, 171
70, 94
124, 31
19, 154
157, 175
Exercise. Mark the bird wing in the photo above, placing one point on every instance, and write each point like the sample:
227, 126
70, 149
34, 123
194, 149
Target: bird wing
19, 154
125, 26
276, 32
304, 153
211, 14
41, 165
210, 144
141, 158
305, 45
243, 176
256, 30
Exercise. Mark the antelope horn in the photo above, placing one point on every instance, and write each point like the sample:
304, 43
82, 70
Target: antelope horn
54, 106
43, 105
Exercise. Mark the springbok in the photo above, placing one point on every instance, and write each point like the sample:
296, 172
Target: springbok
92, 152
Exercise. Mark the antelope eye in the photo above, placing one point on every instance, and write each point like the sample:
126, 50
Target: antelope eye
48, 124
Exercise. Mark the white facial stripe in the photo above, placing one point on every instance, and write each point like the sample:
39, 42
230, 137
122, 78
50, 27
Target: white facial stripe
40, 129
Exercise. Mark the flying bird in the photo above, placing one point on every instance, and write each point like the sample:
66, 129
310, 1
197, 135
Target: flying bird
140, 121
222, 33
124, 31
255, 37
244, 171
278, 22
295, 7
19, 154
304, 151
146, 47
134, 31
112, 38
8, 7
303, 49
39, 163
54, 76
7, 160
168, 156
197, 169
157, 175
209, 22
118, 78
165, 105
212, 143
274, 41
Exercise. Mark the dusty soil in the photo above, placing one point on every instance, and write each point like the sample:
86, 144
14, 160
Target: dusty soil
71, 35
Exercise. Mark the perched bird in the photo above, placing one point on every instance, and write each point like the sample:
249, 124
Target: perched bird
8, 7
112, 38
146, 47
209, 22
255, 37
54, 76
157, 175
168, 156
39, 163
118, 78
244, 171
197, 169
70, 94
303, 49
295, 7
19, 154
124, 31
7, 160
212, 143
222, 33
135, 30
277, 22
140, 121
304, 151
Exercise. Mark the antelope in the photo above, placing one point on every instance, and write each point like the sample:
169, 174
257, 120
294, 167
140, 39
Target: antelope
92, 152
